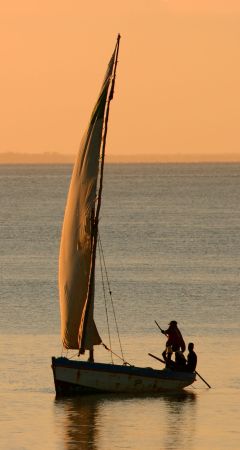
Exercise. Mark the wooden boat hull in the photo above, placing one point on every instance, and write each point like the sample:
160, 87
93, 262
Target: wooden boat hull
79, 377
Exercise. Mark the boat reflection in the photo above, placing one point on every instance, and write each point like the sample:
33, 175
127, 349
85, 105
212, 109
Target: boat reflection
180, 421
98, 422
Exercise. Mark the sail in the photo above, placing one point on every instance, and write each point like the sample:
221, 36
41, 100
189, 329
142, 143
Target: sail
76, 240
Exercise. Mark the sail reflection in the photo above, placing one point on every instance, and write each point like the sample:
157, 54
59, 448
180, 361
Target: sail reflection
79, 422
88, 422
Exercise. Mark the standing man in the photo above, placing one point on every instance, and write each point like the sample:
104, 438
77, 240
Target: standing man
175, 341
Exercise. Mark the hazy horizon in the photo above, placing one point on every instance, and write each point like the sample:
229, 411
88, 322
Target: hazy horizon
61, 158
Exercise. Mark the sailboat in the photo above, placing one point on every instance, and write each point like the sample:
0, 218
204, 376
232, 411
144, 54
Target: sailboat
77, 258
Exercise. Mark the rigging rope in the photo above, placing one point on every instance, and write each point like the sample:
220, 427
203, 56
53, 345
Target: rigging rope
105, 300
125, 363
110, 293
73, 356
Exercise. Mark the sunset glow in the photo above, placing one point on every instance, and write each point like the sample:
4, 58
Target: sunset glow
177, 90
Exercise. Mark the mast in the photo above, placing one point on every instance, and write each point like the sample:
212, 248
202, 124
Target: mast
95, 215
105, 132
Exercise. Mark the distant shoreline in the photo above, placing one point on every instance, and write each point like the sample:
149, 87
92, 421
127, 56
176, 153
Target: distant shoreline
58, 158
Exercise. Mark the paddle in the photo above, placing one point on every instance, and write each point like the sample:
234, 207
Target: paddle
158, 326
203, 379
161, 360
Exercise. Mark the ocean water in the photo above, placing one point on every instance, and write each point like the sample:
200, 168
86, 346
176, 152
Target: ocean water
171, 240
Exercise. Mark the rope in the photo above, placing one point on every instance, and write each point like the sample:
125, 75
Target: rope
105, 301
64, 350
75, 354
125, 363
110, 293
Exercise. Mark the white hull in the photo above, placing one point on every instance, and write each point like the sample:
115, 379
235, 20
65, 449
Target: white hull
81, 377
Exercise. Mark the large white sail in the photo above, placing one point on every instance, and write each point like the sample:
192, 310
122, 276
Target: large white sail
76, 240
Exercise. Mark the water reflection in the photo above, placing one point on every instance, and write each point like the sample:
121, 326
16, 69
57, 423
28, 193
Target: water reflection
97, 422
180, 421
79, 421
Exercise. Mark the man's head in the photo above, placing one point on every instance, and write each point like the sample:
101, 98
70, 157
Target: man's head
173, 323
190, 346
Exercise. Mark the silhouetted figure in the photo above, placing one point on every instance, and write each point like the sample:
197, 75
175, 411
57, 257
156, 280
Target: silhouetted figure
179, 364
180, 361
191, 358
175, 340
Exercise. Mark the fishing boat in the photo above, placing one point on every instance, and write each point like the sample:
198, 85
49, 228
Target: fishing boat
77, 262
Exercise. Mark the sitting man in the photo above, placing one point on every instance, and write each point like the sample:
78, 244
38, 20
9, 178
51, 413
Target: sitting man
180, 361
191, 358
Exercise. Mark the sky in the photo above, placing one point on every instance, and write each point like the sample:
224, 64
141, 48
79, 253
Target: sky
177, 89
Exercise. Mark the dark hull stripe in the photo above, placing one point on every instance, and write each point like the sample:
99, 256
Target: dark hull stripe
123, 370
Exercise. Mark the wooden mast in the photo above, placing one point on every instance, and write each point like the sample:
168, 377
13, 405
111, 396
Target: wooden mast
98, 206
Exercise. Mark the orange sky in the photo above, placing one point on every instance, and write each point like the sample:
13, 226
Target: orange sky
177, 88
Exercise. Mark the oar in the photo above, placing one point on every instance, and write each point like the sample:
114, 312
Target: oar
158, 326
198, 374
202, 379
170, 364
161, 360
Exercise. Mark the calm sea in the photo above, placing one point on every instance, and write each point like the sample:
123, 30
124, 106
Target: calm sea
171, 240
